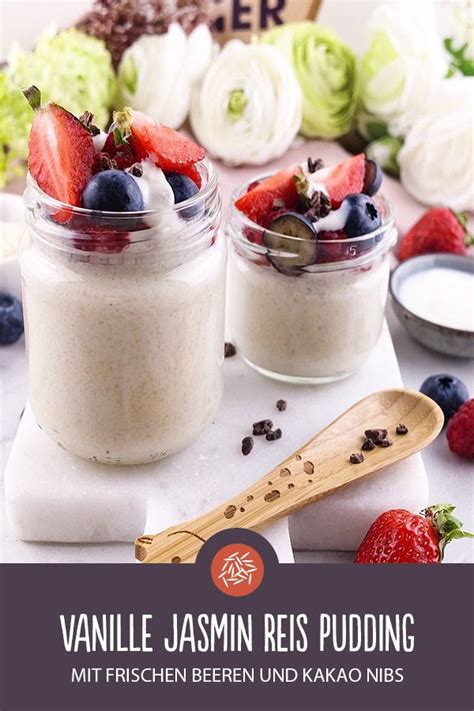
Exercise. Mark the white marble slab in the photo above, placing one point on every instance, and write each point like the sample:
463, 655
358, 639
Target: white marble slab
54, 496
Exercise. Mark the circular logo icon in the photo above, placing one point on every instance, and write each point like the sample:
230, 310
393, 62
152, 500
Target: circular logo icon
237, 569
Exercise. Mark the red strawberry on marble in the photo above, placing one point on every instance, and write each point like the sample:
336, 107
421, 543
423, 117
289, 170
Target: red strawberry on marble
438, 230
399, 536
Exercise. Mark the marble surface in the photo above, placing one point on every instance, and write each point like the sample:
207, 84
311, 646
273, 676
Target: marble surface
450, 477
55, 496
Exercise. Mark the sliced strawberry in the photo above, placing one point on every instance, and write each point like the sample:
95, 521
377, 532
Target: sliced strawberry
109, 146
345, 178
122, 154
61, 155
259, 202
334, 252
192, 172
92, 237
120, 161
169, 150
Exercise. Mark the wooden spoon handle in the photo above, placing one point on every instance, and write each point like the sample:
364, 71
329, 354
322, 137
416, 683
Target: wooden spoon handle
318, 469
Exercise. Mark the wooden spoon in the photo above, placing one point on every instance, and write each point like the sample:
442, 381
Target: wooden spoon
319, 468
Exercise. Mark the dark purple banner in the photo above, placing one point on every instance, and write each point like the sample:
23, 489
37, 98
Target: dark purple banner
236, 631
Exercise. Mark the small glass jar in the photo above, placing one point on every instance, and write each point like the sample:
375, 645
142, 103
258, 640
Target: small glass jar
306, 324
124, 316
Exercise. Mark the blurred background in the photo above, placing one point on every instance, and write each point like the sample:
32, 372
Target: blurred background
348, 17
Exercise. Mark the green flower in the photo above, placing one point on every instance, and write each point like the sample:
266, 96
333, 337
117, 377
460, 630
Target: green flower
327, 72
15, 121
72, 69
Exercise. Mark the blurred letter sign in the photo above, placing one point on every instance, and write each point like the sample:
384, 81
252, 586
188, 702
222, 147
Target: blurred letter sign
243, 18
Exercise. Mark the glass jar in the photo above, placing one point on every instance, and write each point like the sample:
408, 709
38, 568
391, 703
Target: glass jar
124, 317
307, 324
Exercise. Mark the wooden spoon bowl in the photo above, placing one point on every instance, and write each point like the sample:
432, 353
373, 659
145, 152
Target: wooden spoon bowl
318, 469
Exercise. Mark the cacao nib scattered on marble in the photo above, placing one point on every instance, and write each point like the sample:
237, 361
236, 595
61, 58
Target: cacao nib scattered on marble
262, 427
247, 445
229, 350
273, 435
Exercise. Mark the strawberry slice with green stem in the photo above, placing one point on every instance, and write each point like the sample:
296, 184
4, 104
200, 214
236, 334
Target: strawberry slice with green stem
273, 193
168, 149
61, 152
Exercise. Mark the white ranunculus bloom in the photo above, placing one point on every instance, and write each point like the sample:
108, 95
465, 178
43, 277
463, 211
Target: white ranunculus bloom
248, 106
436, 158
403, 63
462, 26
158, 72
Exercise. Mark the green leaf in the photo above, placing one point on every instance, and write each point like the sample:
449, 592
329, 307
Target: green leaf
449, 527
460, 62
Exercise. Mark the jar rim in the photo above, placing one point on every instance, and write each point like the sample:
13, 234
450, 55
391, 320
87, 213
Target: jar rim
242, 189
173, 231
206, 170
386, 233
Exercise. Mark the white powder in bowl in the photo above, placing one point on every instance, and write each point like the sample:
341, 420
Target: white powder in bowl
440, 295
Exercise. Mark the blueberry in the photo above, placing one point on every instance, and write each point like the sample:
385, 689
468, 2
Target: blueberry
11, 319
363, 216
183, 189
373, 177
293, 253
447, 391
114, 191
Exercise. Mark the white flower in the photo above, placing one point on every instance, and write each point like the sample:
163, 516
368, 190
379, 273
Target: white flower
158, 72
462, 30
248, 107
436, 159
403, 64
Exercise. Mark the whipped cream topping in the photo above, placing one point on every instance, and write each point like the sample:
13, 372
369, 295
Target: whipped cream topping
156, 190
335, 221
315, 185
99, 140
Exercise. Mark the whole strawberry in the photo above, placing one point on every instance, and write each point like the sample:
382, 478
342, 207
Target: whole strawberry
460, 432
399, 536
439, 230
